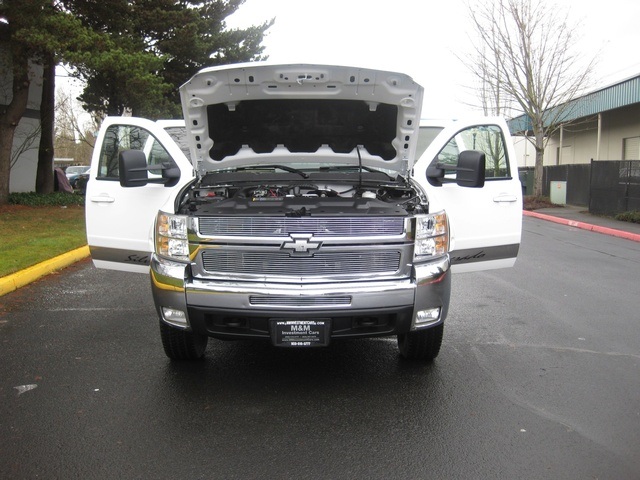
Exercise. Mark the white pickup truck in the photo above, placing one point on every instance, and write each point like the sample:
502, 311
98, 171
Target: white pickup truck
302, 204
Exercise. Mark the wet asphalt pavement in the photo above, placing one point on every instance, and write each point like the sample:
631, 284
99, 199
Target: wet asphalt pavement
539, 377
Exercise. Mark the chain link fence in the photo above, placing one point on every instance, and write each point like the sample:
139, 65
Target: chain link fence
614, 186
607, 187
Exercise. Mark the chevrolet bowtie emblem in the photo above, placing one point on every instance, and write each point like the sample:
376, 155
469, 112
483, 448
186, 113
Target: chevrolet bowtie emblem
301, 244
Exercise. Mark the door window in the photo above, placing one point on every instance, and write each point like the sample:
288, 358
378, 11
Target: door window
484, 138
127, 137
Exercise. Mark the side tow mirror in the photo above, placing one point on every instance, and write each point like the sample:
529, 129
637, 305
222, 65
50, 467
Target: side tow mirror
470, 171
170, 174
132, 168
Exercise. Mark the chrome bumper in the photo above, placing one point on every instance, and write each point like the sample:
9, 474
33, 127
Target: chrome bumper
429, 288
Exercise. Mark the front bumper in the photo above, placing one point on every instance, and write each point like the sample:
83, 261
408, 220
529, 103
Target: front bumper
237, 310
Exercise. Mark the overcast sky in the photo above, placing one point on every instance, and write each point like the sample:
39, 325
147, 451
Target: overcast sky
424, 39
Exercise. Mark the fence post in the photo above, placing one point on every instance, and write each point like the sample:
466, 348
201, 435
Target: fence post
626, 187
590, 184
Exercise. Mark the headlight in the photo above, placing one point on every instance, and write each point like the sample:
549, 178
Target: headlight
171, 236
432, 235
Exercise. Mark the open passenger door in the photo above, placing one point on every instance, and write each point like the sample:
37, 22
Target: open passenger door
485, 221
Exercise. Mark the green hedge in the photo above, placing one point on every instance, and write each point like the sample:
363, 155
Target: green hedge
33, 199
633, 217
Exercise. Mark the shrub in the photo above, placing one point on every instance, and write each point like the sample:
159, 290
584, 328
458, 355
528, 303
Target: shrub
633, 216
534, 203
57, 199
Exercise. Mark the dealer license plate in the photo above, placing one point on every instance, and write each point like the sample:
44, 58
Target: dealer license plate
300, 333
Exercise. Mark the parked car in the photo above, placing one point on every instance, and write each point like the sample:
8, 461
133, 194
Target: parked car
78, 175
74, 170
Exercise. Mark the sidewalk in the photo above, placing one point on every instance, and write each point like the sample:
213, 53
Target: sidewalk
577, 217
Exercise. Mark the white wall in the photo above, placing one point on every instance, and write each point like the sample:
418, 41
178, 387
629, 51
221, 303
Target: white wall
615, 128
524, 151
23, 173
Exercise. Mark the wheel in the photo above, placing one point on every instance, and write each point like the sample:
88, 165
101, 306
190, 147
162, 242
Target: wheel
182, 345
421, 345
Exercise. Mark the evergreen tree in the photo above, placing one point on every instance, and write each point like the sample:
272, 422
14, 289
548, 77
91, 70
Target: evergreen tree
132, 55
183, 36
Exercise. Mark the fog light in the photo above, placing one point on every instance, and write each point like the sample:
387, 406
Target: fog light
174, 316
427, 317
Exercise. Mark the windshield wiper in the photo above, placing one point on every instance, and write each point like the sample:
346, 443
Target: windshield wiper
355, 168
273, 167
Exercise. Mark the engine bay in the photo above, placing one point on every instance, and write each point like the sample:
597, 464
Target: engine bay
290, 195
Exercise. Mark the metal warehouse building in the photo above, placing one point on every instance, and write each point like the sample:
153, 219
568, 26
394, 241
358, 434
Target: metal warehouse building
602, 125
593, 158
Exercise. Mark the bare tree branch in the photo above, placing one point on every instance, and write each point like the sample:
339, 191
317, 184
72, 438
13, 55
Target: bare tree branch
74, 129
525, 59
23, 142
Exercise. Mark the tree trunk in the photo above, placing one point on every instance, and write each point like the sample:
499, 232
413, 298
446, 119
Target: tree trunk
6, 142
538, 174
9, 119
538, 171
44, 175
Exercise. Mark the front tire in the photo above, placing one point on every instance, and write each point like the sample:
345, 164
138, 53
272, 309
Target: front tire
182, 345
422, 344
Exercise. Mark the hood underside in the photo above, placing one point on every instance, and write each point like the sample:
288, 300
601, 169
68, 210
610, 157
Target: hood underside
255, 114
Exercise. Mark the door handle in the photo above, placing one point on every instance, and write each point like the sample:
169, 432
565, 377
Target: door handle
505, 199
103, 199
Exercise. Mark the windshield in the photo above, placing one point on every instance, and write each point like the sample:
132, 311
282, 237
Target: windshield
76, 170
179, 135
426, 135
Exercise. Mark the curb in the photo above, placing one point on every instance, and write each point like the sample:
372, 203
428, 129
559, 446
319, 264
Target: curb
585, 226
20, 279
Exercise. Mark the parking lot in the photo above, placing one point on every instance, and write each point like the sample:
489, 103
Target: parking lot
538, 378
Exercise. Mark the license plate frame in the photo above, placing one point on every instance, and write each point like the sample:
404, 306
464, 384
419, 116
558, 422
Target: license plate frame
296, 333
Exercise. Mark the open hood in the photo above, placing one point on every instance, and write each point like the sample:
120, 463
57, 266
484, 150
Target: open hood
259, 113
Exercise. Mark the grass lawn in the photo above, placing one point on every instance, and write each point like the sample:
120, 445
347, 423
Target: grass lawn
30, 235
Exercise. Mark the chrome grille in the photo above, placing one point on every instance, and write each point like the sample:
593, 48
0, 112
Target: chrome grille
281, 263
284, 226
291, 301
